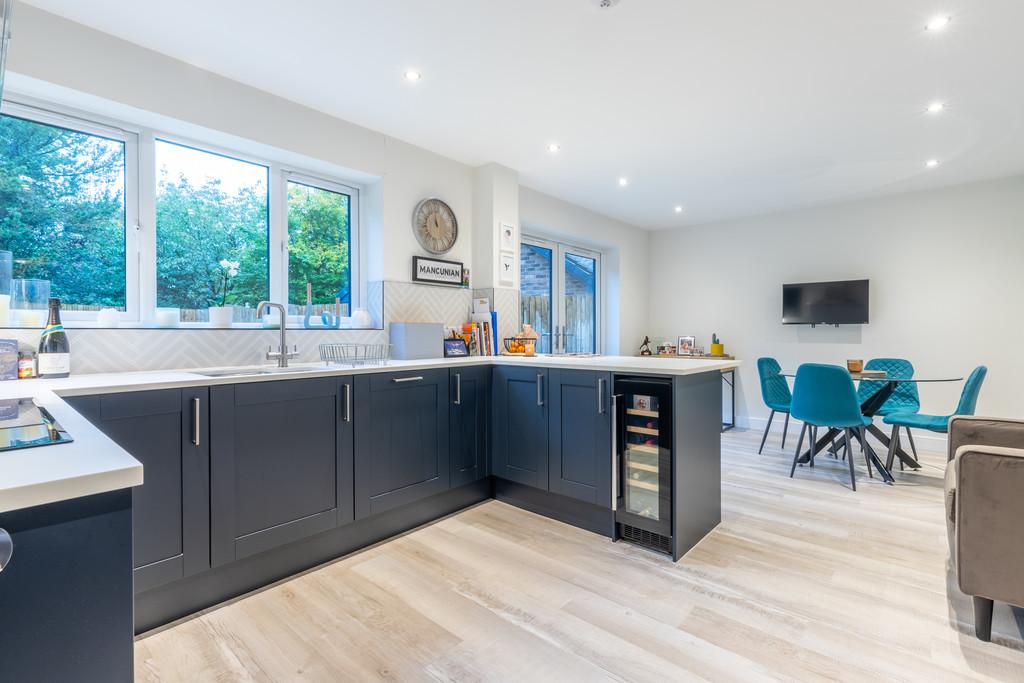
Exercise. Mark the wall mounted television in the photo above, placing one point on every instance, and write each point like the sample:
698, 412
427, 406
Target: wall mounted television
844, 302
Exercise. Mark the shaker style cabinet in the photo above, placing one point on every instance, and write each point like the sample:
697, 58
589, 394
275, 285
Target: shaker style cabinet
470, 389
280, 463
402, 439
520, 420
580, 435
168, 432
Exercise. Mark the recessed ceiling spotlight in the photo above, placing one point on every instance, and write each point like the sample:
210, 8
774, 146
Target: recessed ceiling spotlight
604, 4
938, 23
936, 107
623, 182
554, 147
412, 75
931, 163
679, 209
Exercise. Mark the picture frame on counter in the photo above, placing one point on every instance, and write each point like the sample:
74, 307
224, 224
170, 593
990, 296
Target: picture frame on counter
686, 346
507, 270
455, 348
434, 271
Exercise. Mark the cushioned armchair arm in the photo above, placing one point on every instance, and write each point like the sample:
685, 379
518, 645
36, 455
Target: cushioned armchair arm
988, 431
989, 528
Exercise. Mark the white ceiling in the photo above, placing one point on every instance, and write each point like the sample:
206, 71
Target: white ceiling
727, 107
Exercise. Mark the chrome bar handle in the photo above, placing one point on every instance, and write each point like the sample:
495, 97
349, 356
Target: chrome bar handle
348, 402
615, 452
458, 388
540, 389
6, 548
399, 380
600, 396
196, 417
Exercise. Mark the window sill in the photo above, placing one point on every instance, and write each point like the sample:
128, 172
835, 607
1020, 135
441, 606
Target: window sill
91, 325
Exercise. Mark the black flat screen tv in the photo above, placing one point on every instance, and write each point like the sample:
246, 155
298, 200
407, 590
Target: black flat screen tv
825, 303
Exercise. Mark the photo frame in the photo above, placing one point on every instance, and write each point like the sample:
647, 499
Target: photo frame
507, 238
455, 348
507, 270
686, 345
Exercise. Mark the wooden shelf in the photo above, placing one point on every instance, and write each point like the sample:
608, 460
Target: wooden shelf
641, 430
642, 448
643, 413
633, 465
641, 484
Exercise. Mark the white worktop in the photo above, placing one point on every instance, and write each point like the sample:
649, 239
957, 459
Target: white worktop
92, 463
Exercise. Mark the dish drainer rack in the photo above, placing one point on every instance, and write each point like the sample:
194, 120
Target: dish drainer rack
351, 353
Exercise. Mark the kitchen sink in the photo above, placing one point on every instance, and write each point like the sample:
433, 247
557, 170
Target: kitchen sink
236, 372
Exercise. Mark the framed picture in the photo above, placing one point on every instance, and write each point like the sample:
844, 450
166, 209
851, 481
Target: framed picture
435, 271
455, 348
508, 237
507, 268
685, 346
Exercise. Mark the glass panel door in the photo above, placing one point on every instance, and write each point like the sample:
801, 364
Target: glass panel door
641, 460
536, 289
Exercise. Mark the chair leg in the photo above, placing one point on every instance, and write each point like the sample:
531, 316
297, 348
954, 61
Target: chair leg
799, 445
913, 446
983, 618
865, 448
849, 461
814, 441
894, 442
766, 428
785, 429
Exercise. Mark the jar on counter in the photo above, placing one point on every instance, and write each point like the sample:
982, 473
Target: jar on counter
26, 365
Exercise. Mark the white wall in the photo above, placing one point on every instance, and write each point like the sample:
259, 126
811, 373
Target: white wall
625, 261
947, 277
93, 68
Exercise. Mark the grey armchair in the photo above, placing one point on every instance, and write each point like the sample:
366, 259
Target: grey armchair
985, 512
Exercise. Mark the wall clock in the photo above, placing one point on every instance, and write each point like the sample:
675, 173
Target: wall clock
434, 225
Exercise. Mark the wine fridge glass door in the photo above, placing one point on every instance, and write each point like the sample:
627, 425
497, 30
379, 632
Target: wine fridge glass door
646, 459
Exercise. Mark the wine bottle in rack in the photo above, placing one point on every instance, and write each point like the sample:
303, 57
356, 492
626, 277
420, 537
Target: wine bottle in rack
54, 358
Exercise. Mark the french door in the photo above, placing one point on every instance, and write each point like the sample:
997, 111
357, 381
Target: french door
560, 295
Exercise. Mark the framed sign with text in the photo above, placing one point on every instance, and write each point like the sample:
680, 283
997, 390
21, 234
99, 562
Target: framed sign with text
434, 271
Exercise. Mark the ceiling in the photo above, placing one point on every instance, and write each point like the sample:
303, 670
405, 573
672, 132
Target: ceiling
725, 107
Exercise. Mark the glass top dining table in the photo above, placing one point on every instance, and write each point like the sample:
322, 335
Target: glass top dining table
869, 408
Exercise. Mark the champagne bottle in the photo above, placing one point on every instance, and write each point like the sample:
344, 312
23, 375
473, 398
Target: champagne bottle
54, 350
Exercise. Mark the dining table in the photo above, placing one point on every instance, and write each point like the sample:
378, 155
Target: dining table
869, 408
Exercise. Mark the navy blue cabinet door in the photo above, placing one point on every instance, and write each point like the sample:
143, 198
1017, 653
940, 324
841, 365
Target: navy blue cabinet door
168, 432
581, 435
470, 405
278, 464
402, 442
520, 410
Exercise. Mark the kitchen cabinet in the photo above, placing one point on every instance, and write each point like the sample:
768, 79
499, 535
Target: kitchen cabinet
520, 423
280, 463
402, 438
580, 435
168, 432
470, 405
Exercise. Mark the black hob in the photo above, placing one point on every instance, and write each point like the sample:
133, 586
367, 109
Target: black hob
23, 424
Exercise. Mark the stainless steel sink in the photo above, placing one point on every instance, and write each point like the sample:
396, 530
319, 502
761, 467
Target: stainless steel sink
238, 372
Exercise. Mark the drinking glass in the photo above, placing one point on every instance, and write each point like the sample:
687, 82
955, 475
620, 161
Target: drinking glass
6, 272
30, 301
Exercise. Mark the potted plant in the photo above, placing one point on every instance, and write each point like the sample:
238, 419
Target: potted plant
717, 347
222, 315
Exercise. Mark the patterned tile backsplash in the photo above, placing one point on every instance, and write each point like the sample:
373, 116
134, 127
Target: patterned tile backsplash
127, 350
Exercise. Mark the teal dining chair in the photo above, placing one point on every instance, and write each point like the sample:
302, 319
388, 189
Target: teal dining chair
824, 396
776, 395
936, 423
904, 399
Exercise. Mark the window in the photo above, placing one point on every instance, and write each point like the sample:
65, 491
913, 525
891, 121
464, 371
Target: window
319, 246
219, 229
559, 295
67, 195
212, 233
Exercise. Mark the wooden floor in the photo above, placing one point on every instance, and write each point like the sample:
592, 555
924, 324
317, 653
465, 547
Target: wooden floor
803, 580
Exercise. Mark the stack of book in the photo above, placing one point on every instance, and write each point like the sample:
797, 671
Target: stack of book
481, 332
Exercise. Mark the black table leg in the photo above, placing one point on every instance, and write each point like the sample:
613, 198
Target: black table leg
873, 458
825, 440
904, 457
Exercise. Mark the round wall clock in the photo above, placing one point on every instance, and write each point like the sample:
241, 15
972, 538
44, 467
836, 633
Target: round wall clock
435, 226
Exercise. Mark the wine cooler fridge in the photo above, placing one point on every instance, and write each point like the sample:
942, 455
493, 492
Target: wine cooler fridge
642, 461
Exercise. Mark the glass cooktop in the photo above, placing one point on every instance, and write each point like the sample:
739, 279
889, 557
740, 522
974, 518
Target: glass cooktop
23, 424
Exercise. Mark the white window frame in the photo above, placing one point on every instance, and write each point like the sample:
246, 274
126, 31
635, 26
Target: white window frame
140, 209
559, 250
38, 114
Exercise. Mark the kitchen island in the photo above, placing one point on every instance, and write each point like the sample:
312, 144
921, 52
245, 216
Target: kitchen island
250, 478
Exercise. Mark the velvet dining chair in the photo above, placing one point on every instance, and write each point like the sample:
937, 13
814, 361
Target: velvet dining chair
775, 393
936, 423
824, 396
904, 399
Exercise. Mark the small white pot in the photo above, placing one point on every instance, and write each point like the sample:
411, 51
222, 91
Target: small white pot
221, 316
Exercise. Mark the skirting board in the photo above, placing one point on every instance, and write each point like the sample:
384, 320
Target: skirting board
927, 441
